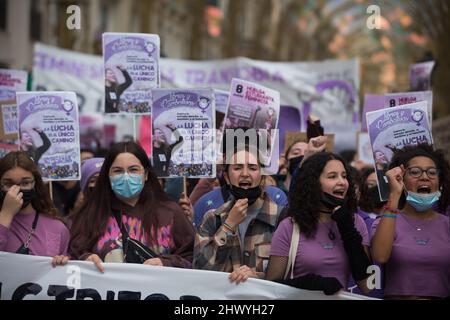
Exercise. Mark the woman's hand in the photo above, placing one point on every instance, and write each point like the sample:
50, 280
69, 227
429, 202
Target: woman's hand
315, 145
238, 213
154, 262
12, 202
97, 261
186, 205
241, 274
60, 261
395, 180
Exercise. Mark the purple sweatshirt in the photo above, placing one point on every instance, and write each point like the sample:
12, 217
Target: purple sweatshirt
51, 237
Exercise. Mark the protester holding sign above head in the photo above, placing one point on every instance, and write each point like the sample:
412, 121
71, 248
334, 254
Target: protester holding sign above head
236, 237
129, 218
27, 144
162, 150
411, 238
113, 90
331, 240
29, 222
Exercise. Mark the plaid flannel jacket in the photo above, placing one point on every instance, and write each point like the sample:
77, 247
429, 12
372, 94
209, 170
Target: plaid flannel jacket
216, 250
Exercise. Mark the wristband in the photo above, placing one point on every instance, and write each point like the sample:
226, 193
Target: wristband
226, 225
389, 209
389, 215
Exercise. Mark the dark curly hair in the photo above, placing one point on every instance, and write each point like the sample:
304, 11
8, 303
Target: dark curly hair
304, 202
403, 156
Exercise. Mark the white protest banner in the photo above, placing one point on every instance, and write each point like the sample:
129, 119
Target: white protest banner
56, 69
49, 132
131, 71
329, 89
31, 277
184, 130
12, 81
420, 76
401, 98
393, 128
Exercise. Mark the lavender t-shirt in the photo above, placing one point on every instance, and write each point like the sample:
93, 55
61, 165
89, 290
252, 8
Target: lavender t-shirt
50, 239
318, 255
419, 264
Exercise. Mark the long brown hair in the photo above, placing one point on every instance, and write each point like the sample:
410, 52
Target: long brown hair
42, 202
90, 222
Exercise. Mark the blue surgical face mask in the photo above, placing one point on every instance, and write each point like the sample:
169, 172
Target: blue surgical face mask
422, 202
127, 185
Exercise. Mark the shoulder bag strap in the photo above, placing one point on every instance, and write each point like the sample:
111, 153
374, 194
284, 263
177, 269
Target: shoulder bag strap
292, 250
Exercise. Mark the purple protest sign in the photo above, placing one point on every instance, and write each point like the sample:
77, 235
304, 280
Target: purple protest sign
183, 136
290, 121
391, 129
49, 132
12, 81
401, 98
253, 106
372, 102
131, 71
420, 76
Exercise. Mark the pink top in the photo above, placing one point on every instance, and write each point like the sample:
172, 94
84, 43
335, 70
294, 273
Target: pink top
51, 237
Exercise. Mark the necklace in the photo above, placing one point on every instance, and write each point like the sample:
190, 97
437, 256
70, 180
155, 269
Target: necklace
417, 228
331, 234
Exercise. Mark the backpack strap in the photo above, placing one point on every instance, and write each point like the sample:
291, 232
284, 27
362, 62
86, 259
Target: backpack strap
292, 250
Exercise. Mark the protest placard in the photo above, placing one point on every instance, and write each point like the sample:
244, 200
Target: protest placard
364, 150
131, 62
420, 76
184, 133
221, 98
393, 128
8, 120
401, 98
255, 107
12, 81
49, 132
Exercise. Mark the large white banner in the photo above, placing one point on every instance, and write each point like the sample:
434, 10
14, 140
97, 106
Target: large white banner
32, 277
328, 89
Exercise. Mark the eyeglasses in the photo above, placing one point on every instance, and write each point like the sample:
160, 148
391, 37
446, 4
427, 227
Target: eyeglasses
132, 170
416, 172
24, 184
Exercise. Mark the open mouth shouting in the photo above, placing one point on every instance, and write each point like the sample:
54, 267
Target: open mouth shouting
424, 189
245, 184
339, 193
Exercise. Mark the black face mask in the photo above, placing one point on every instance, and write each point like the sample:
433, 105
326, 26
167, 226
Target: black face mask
375, 197
252, 194
331, 201
294, 163
28, 196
